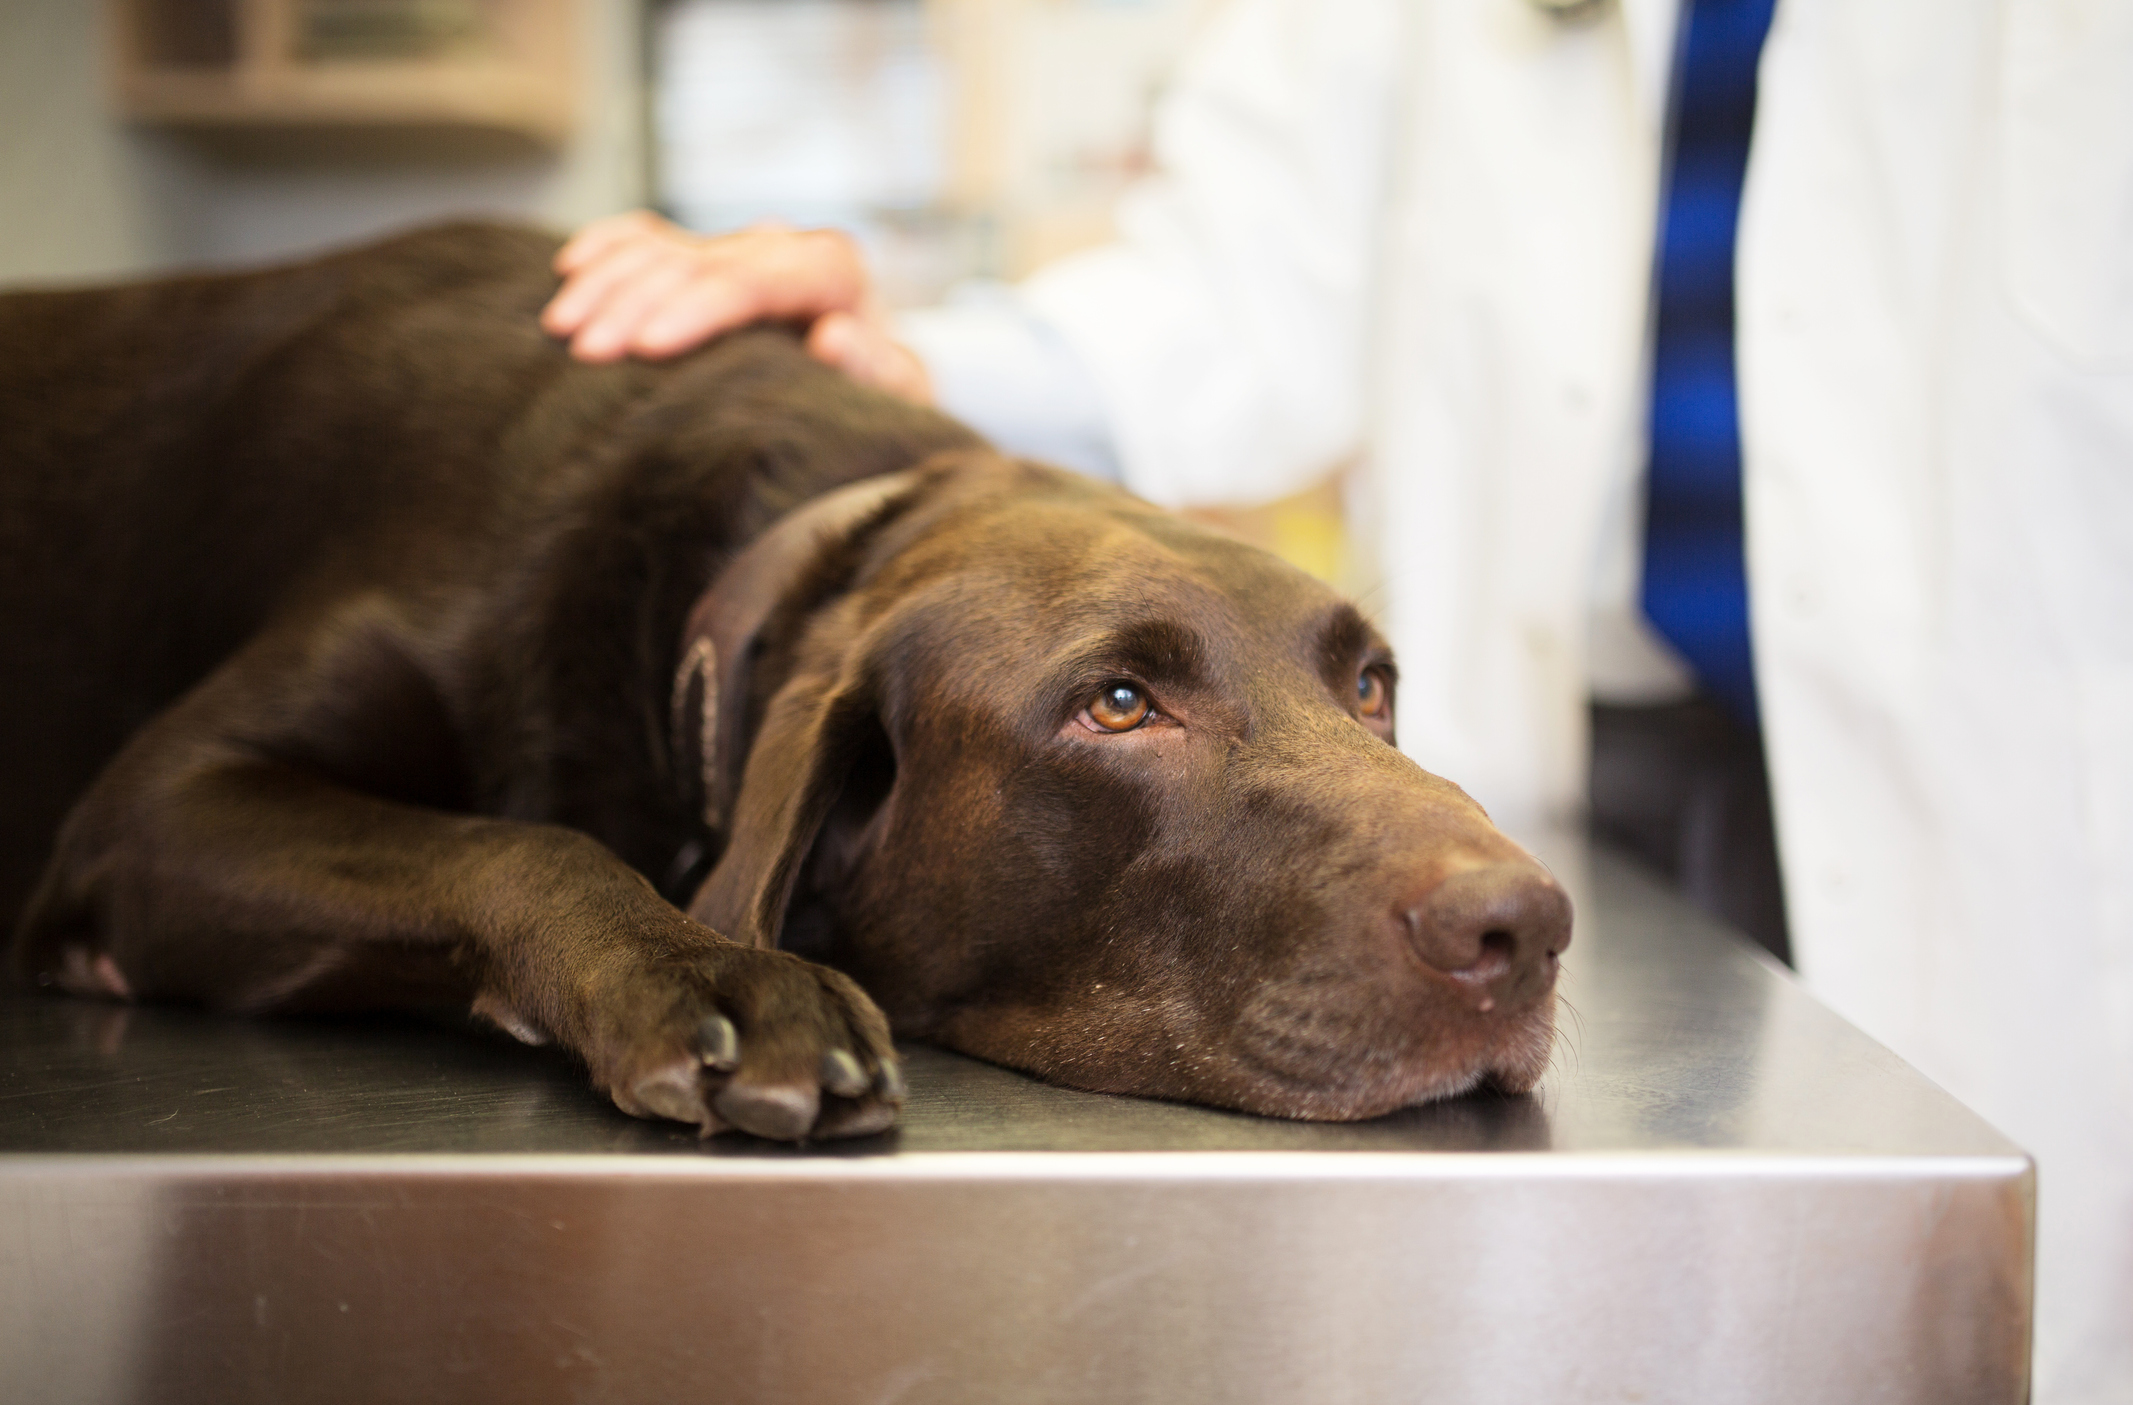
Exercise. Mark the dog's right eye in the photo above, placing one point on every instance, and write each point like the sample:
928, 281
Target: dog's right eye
1118, 707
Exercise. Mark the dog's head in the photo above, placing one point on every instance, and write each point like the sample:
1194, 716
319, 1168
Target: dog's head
1075, 786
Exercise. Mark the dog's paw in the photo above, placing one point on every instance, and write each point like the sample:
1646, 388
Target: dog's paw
759, 1041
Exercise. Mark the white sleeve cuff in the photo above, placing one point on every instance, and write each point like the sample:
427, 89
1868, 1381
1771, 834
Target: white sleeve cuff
1003, 371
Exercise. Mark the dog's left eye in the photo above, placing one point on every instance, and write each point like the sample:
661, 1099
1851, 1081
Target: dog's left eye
1118, 707
1372, 697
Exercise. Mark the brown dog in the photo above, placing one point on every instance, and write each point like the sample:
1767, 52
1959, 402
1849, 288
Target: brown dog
364, 651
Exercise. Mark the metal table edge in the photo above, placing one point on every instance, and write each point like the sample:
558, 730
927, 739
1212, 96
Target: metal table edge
1083, 1166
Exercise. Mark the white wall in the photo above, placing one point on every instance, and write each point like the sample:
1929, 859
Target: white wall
84, 195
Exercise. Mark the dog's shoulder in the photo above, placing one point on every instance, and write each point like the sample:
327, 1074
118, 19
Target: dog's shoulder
458, 252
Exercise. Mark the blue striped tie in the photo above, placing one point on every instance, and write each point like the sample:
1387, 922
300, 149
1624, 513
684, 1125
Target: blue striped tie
1695, 587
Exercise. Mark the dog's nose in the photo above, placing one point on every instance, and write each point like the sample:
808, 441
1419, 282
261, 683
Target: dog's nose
1496, 930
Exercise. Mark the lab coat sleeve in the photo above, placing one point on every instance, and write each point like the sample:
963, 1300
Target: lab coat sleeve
1007, 374
1224, 332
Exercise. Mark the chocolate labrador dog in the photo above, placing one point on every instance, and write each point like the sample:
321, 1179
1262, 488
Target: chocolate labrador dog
713, 718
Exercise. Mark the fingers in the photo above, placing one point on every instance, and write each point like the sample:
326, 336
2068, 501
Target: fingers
634, 284
637, 285
603, 234
710, 301
589, 287
602, 254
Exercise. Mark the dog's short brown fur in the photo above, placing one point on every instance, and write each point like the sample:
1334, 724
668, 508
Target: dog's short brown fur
362, 650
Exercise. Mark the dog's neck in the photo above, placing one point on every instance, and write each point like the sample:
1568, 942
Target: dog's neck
723, 636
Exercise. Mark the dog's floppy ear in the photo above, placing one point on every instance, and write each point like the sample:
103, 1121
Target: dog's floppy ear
794, 774
767, 797
724, 633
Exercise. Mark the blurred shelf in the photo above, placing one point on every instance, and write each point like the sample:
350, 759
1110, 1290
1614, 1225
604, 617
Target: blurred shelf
501, 66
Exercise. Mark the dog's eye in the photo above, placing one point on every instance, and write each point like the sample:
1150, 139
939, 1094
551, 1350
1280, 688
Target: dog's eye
1372, 697
1118, 707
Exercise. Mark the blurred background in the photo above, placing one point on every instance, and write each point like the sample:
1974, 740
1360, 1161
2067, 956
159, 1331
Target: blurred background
960, 139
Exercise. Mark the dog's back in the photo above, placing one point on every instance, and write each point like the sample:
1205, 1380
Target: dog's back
170, 465
183, 460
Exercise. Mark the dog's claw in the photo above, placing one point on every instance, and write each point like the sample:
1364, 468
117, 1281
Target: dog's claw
842, 1076
720, 1042
890, 1082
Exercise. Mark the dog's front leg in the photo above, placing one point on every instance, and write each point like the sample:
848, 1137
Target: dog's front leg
202, 870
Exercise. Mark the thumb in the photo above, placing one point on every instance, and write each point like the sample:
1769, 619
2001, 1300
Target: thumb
864, 350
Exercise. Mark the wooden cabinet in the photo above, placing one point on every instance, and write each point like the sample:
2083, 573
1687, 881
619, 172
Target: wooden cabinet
499, 66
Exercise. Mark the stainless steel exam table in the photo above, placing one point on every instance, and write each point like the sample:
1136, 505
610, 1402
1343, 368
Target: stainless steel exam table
1722, 1193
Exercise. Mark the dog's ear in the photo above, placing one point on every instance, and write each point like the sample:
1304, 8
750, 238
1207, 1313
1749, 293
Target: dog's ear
778, 638
786, 572
811, 736
767, 770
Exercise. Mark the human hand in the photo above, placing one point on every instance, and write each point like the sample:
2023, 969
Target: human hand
638, 285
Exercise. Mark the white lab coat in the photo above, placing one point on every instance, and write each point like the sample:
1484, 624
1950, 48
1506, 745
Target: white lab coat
1422, 233
1935, 289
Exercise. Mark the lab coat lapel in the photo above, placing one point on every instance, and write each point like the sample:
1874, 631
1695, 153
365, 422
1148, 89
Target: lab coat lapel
1651, 27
